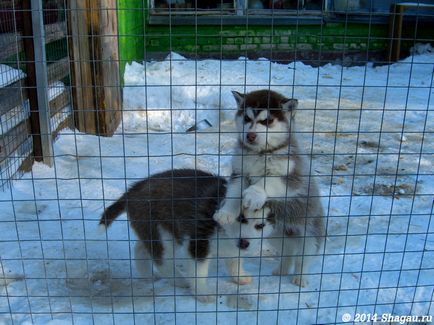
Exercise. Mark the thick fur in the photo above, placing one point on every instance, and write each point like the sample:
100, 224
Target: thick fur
268, 171
171, 213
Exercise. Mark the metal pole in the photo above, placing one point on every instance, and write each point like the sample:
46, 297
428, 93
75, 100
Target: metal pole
42, 81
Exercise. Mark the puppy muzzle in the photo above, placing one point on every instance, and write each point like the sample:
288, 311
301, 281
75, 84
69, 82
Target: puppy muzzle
243, 243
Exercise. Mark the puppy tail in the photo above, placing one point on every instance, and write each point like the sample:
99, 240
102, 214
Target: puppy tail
112, 212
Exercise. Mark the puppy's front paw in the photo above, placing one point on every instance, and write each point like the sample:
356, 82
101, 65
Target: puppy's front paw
224, 217
254, 198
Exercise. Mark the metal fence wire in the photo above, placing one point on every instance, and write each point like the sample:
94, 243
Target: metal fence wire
305, 128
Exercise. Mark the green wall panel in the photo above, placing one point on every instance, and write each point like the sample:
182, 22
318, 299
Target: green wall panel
238, 39
139, 40
131, 30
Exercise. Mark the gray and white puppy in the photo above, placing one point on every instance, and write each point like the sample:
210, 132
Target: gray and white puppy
271, 183
171, 214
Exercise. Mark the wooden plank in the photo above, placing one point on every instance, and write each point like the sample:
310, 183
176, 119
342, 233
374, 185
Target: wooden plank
13, 139
55, 31
81, 74
106, 57
8, 3
392, 31
95, 65
26, 165
58, 103
12, 96
395, 32
58, 70
12, 43
67, 123
19, 161
397, 35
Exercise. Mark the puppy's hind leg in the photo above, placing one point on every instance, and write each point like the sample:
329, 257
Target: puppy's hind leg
286, 247
197, 277
304, 261
143, 260
168, 269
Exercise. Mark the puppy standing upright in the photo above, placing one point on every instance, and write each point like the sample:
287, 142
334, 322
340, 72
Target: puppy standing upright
268, 170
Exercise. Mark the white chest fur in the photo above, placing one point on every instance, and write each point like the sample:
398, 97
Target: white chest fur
264, 174
253, 166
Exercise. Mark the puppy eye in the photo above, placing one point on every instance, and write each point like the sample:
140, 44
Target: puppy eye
242, 219
259, 226
267, 121
247, 119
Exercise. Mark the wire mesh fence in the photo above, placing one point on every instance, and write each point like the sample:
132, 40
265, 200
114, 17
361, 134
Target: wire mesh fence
283, 163
20, 129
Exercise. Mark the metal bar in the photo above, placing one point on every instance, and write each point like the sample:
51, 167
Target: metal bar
42, 81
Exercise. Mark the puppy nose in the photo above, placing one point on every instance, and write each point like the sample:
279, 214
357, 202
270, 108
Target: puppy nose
251, 137
243, 243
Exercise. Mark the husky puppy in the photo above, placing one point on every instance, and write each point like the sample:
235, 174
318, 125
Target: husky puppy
270, 178
171, 214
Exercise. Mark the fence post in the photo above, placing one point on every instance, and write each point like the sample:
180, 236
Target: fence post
36, 81
42, 81
94, 54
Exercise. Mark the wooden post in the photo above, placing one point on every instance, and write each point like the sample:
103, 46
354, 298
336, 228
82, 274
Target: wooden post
31, 80
397, 12
94, 54
42, 81
395, 31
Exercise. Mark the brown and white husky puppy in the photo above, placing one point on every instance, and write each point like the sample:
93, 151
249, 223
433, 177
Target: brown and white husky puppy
269, 173
171, 214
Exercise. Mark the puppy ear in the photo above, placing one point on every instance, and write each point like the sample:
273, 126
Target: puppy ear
290, 105
239, 98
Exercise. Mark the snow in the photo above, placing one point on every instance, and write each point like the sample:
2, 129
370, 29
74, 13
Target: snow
373, 130
55, 89
9, 75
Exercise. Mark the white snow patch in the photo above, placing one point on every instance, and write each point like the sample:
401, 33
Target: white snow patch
9, 75
55, 89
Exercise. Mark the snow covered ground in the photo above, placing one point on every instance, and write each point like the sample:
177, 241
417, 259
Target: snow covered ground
369, 131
